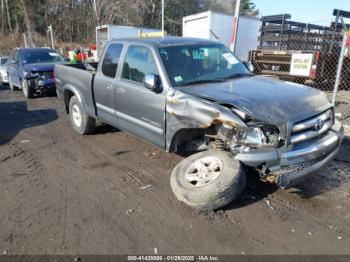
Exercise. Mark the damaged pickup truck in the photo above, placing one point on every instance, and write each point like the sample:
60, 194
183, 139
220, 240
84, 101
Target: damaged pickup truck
194, 97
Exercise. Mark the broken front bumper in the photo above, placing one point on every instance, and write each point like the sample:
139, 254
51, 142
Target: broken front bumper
43, 85
286, 167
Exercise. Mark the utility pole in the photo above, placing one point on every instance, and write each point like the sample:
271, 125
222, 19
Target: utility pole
25, 40
163, 17
51, 35
235, 26
340, 66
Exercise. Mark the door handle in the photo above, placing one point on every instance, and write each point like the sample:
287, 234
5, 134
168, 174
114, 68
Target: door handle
120, 90
109, 87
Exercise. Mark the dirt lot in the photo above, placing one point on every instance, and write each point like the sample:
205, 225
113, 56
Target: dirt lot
109, 193
343, 106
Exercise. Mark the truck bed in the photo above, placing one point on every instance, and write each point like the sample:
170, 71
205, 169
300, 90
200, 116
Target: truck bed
79, 79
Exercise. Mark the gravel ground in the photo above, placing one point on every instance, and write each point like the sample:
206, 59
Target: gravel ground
109, 193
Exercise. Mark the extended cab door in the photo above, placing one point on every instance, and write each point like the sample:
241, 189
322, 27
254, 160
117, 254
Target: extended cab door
139, 110
104, 84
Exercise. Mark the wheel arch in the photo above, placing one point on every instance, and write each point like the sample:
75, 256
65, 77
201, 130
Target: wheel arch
68, 93
183, 135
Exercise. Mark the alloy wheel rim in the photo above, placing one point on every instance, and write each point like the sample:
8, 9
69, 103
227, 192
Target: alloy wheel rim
76, 115
204, 171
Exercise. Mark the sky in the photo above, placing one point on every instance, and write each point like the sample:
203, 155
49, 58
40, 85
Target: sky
307, 11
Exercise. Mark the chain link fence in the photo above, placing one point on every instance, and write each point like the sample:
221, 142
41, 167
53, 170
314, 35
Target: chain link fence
309, 54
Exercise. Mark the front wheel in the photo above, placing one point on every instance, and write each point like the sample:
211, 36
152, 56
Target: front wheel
81, 122
208, 180
12, 87
28, 92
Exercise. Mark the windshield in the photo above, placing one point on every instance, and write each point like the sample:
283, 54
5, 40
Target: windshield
3, 61
41, 56
191, 64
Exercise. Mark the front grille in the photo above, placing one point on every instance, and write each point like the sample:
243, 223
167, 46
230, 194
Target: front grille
46, 75
312, 127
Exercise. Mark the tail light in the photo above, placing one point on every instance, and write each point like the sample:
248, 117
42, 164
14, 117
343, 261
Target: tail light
317, 56
347, 43
313, 72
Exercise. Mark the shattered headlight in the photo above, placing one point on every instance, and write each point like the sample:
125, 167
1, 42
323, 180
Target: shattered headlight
29, 75
26, 74
258, 136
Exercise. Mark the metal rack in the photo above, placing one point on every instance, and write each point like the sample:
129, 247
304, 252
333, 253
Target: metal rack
280, 38
280, 33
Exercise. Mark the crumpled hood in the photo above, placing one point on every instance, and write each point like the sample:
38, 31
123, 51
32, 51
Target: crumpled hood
264, 99
39, 67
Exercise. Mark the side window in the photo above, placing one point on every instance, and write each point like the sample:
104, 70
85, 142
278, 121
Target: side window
138, 62
111, 60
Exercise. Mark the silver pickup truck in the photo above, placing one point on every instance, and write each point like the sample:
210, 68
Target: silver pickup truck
194, 97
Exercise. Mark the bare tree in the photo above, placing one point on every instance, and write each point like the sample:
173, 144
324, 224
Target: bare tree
76, 20
2, 17
28, 23
8, 15
100, 7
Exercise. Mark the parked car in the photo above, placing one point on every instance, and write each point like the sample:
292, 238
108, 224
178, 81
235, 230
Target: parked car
3, 72
31, 69
194, 97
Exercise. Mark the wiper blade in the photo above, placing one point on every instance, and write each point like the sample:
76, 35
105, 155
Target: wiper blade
237, 76
203, 81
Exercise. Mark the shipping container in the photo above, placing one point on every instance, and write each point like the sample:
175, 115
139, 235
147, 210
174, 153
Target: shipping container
219, 26
105, 33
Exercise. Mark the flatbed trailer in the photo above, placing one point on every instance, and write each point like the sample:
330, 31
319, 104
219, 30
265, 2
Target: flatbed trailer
286, 44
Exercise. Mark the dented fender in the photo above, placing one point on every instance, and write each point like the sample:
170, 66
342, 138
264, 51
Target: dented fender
184, 111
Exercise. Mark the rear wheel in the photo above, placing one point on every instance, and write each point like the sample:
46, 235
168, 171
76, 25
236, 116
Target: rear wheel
81, 122
28, 92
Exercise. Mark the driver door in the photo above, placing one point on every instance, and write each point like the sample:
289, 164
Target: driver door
139, 110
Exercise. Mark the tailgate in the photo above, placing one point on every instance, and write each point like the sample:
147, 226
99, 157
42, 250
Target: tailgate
76, 80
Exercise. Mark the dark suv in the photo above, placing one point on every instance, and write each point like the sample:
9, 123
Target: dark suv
31, 69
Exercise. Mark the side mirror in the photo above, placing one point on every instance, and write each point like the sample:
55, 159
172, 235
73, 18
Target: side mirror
152, 82
249, 66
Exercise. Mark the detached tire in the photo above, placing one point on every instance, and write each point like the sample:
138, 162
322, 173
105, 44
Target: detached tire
81, 122
208, 180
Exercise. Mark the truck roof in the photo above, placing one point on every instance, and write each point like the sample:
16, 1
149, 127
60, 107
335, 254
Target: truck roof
167, 41
34, 48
